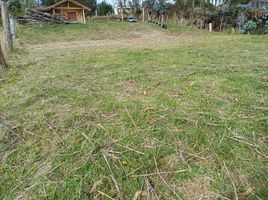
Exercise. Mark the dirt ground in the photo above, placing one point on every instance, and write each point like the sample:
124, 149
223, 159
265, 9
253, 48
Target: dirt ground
137, 39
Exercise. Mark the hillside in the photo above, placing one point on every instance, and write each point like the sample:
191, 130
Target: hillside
130, 111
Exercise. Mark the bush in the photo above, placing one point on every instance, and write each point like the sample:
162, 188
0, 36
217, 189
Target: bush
250, 26
266, 27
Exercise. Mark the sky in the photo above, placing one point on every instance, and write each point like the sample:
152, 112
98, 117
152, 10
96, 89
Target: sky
114, 2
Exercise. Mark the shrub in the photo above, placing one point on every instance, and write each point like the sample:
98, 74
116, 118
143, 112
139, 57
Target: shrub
266, 27
250, 26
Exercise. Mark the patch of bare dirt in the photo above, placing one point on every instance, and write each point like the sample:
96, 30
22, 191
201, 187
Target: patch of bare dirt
197, 188
150, 38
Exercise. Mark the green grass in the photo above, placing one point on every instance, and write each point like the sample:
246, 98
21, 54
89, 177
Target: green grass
78, 124
77, 32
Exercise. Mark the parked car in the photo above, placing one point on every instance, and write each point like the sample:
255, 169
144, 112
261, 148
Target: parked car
132, 19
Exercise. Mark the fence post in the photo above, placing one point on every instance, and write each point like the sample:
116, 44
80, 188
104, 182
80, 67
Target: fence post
143, 17
12, 27
210, 27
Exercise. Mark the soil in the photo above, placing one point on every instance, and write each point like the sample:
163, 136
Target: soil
137, 39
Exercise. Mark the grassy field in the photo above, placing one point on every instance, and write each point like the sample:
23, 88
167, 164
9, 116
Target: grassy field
158, 114
94, 31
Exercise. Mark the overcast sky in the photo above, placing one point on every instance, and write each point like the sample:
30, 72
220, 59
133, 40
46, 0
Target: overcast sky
114, 2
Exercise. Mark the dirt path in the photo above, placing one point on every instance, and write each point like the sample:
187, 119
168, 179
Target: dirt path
141, 39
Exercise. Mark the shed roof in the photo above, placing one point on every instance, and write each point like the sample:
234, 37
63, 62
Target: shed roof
61, 2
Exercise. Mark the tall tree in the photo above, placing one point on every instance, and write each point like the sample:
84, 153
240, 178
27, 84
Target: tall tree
135, 7
149, 7
48, 2
3, 64
5, 9
18, 8
105, 8
192, 12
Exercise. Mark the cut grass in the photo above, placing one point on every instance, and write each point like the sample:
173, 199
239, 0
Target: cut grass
78, 32
92, 123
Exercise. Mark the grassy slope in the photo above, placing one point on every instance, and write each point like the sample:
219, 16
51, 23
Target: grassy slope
70, 121
76, 32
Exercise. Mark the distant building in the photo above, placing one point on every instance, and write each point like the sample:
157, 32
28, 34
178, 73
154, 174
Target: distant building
71, 9
126, 9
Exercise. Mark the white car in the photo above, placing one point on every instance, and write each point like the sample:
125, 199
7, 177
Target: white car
132, 19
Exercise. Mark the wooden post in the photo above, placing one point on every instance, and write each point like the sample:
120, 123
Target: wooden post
143, 15
122, 14
13, 27
210, 27
84, 18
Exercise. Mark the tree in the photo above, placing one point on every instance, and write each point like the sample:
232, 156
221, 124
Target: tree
92, 4
3, 64
135, 7
192, 12
149, 7
48, 2
160, 7
104, 8
18, 8
5, 9
223, 10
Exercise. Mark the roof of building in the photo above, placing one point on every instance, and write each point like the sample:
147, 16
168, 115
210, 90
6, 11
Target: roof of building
64, 1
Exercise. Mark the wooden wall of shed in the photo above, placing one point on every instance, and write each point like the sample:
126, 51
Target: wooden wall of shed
79, 14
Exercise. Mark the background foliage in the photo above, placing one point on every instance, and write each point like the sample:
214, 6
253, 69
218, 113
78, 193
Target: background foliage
105, 8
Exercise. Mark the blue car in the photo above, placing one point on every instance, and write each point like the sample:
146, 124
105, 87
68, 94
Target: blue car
132, 19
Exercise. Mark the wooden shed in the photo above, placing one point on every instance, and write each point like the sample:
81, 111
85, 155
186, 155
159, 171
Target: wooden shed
71, 9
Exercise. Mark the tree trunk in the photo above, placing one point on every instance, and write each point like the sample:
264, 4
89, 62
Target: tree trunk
192, 13
3, 64
6, 25
221, 23
122, 14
